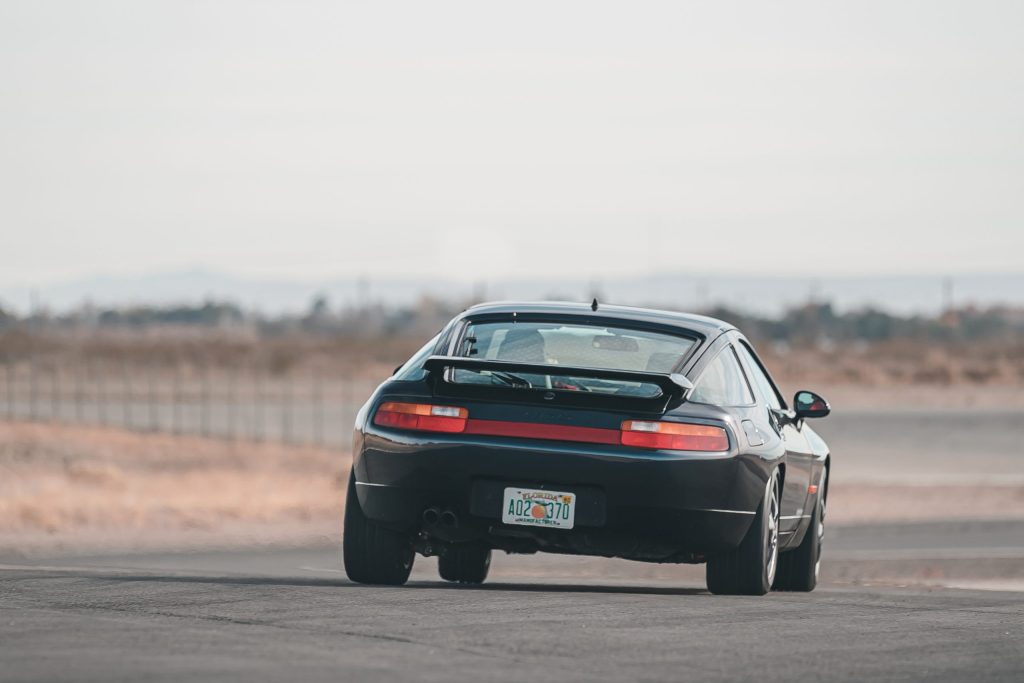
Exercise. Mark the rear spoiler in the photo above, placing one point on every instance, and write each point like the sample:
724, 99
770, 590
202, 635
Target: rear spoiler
673, 386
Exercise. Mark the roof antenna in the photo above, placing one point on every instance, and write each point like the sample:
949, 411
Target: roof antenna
593, 304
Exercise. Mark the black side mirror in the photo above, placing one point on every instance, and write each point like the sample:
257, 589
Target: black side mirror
395, 371
808, 404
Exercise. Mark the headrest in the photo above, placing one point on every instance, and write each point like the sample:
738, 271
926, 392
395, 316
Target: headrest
524, 346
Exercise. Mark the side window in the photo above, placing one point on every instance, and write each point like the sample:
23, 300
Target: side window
722, 383
760, 378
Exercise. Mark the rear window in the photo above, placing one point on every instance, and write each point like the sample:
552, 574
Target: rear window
570, 345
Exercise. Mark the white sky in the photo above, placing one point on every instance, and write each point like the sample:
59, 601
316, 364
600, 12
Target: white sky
483, 140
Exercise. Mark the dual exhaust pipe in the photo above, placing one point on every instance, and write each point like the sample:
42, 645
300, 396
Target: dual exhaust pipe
433, 516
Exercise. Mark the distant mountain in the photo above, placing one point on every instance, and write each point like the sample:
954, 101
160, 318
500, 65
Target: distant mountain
195, 286
771, 294
759, 294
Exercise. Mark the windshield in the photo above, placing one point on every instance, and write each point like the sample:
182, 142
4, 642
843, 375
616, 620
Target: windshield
570, 345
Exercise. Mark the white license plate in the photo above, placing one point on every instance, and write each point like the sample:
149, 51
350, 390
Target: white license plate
534, 507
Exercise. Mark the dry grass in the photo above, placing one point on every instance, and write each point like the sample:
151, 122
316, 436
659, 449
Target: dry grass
901, 364
162, 349
71, 486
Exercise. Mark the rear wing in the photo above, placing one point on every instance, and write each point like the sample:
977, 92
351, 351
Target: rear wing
673, 386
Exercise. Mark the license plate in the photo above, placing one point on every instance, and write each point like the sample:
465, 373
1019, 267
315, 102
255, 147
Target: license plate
533, 507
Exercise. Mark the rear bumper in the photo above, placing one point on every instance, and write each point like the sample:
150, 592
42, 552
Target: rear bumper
630, 503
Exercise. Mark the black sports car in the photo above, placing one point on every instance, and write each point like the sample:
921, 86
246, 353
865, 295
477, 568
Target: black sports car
590, 430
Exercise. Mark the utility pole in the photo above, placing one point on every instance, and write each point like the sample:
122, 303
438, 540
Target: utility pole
814, 292
947, 295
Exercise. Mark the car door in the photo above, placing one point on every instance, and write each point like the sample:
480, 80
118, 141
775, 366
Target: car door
778, 417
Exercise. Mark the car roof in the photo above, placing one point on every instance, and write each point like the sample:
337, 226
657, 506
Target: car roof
708, 327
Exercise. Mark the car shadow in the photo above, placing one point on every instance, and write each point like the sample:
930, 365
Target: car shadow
631, 589
314, 582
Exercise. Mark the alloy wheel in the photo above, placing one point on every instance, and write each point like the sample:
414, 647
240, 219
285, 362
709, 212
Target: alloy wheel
821, 535
772, 532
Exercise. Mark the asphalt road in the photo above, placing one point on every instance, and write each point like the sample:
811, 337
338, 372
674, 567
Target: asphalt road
291, 615
900, 445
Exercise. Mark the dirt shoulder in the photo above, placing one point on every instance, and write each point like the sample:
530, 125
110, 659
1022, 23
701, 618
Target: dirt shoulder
79, 488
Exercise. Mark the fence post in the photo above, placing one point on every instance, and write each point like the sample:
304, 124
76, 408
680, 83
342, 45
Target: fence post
232, 402
10, 389
176, 400
346, 402
101, 394
78, 390
318, 408
204, 402
55, 392
258, 428
32, 388
286, 418
154, 421
126, 396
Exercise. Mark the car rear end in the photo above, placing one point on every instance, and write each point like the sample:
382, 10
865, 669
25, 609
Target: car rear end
560, 433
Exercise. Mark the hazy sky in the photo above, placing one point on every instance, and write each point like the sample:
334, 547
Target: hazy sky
481, 140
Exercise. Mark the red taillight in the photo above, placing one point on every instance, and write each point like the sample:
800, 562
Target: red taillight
674, 436
421, 417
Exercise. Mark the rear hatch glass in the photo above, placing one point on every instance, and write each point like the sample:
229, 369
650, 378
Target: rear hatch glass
571, 345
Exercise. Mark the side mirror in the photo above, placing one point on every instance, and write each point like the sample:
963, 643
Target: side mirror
808, 404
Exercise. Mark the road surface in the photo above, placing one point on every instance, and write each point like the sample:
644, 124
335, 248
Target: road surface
291, 615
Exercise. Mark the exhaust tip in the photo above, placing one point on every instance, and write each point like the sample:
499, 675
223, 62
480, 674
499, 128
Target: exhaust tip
431, 516
449, 518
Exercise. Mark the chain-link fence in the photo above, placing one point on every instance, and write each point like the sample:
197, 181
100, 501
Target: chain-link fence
311, 407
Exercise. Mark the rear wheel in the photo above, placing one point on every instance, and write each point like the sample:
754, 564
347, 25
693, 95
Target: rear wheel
465, 563
799, 568
373, 554
749, 569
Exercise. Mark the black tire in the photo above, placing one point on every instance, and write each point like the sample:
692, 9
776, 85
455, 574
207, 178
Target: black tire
373, 554
749, 569
465, 563
799, 568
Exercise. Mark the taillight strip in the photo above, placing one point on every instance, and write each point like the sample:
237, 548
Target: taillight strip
537, 430
655, 435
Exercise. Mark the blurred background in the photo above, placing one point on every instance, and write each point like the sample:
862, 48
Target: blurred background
222, 224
